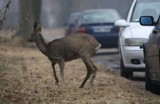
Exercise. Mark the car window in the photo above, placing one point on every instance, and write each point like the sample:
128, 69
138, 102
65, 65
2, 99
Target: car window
73, 18
100, 17
146, 8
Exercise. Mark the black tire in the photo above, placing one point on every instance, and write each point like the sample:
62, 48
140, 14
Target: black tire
124, 72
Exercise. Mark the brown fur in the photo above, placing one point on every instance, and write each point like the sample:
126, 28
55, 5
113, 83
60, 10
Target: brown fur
77, 45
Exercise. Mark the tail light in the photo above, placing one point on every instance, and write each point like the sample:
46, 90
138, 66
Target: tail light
69, 30
81, 30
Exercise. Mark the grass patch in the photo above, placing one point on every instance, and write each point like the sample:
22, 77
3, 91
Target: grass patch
26, 77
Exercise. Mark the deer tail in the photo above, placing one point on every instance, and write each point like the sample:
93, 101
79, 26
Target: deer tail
98, 47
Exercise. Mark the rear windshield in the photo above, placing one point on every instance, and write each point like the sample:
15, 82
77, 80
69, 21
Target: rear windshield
146, 8
100, 17
73, 18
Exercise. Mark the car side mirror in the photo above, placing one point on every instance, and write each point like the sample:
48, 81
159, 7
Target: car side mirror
146, 21
121, 23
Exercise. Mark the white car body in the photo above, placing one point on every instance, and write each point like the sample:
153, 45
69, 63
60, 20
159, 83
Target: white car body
133, 30
132, 58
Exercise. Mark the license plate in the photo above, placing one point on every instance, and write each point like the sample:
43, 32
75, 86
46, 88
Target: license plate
102, 30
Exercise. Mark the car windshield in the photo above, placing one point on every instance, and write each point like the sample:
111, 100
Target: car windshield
146, 8
100, 17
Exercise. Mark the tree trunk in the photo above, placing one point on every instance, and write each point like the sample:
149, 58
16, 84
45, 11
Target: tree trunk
29, 10
36, 8
25, 19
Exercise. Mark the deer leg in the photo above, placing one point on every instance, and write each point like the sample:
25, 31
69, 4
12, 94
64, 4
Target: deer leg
61, 65
93, 74
89, 67
55, 75
89, 72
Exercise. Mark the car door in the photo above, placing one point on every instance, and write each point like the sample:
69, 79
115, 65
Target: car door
150, 54
155, 52
156, 32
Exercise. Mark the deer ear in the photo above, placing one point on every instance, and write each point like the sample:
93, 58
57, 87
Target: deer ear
39, 27
35, 25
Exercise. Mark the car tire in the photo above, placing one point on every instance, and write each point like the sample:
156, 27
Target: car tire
124, 72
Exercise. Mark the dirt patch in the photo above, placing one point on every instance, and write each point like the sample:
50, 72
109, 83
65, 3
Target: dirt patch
26, 78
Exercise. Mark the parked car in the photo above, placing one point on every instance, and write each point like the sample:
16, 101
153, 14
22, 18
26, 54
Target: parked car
152, 53
71, 23
132, 36
100, 24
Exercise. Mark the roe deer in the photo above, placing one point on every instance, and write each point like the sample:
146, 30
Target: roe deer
78, 45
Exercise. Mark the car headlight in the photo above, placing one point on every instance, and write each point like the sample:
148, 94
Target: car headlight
135, 41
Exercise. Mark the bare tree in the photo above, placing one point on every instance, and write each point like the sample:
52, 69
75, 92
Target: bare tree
36, 8
25, 19
79, 45
3, 13
29, 10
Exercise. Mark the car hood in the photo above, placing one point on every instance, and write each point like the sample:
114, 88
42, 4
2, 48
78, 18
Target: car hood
138, 31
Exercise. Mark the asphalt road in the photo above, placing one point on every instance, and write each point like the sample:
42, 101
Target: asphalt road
109, 58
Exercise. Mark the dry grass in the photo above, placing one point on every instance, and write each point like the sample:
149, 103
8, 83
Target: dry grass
26, 78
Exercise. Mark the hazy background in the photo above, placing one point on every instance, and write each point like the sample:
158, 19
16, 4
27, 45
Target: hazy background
55, 12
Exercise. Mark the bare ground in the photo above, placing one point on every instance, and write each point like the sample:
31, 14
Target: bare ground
26, 78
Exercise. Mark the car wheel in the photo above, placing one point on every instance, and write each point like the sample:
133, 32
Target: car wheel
124, 72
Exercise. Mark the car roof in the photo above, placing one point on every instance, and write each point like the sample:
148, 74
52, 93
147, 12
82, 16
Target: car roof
98, 10
75, 13
101, 10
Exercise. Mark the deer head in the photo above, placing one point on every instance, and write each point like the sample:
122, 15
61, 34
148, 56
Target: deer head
36, 31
